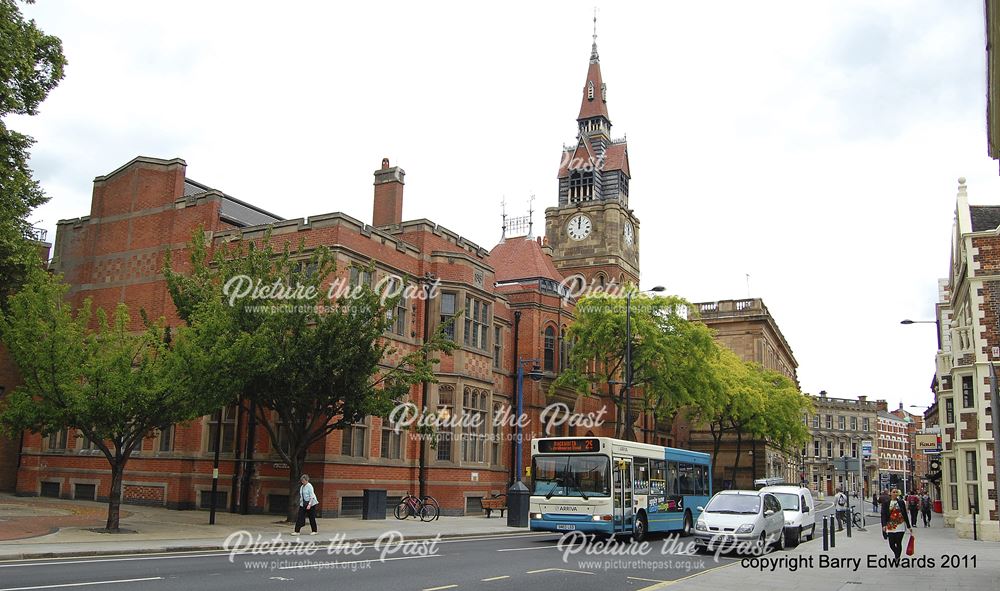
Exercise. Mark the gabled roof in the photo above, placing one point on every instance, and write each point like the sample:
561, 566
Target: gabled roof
522, 258
582, 157
984, 217
616, 158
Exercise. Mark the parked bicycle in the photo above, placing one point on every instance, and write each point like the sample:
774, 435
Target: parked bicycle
858, 518
426, 508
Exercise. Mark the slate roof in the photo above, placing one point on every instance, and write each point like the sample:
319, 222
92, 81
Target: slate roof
597, 106
231, 209
984, 217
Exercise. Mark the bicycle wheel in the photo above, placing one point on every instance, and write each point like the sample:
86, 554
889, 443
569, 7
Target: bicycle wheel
402, 510
429, 500
858, 520
428, 512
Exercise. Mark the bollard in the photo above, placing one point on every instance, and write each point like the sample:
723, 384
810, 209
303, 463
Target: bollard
833, 535
850, 518
826, 536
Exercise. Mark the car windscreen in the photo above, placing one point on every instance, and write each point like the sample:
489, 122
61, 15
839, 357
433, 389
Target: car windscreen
736, 504
571, 476
789, 501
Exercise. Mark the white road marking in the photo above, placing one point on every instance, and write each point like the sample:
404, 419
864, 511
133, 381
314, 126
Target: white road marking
440, 588
495, 578
546, 570
82, 584
527, 548
647, 580
319, 564
17, 564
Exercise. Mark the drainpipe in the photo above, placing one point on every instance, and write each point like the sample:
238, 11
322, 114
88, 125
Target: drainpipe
422, 470
513, 397
248, 465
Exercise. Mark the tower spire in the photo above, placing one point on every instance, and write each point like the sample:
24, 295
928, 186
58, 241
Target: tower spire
594, 58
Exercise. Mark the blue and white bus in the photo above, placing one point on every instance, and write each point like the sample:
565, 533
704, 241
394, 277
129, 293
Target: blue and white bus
607, 486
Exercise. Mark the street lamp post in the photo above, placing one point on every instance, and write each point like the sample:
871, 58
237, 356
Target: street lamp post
628, 434
518, 495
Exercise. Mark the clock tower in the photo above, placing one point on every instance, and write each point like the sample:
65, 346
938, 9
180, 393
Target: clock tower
592, 231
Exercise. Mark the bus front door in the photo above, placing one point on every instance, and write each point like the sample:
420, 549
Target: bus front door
623, 500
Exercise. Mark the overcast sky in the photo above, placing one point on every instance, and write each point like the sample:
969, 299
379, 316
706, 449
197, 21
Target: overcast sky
812, 145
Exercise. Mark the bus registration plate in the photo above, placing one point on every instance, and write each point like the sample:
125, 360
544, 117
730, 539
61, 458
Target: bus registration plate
566, 526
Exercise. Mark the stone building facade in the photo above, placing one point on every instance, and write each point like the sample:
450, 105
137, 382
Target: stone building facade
968, 348
838, 426
513, 295
748, 329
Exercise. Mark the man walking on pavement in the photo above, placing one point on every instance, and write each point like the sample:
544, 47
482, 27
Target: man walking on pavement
925, 509
841, 502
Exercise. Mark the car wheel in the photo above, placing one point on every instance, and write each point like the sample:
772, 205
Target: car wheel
779, 543
762, 543
641, 528
812, 532
688, 527
798, 536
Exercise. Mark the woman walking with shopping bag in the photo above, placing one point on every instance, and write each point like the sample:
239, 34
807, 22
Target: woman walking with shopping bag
896, 522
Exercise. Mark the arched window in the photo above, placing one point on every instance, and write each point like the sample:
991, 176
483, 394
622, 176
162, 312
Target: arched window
550, 348
601, 281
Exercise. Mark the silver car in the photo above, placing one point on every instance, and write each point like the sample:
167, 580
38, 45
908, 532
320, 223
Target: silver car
744, 521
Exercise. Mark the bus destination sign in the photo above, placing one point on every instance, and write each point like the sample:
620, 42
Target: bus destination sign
583, 445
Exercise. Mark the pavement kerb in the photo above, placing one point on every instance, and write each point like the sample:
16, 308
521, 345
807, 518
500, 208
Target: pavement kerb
219, 546
665, 584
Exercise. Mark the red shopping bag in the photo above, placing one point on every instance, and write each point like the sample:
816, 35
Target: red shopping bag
910, 545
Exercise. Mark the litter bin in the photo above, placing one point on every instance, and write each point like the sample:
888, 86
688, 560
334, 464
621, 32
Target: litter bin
373, 504
937, 506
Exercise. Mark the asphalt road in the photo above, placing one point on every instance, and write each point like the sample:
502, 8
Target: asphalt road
500, 562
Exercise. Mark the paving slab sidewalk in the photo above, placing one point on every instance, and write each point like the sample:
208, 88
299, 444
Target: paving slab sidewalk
949, 563
44, 528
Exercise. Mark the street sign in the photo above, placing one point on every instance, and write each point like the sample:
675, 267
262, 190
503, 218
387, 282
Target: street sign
846, 464
884, 478
929, 442
866, 448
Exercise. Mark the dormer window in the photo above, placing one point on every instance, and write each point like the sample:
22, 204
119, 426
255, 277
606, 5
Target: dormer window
590, 91
604, 92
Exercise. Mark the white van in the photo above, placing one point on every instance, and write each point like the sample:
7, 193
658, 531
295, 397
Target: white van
799, 509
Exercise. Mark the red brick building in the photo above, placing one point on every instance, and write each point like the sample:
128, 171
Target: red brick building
513, 296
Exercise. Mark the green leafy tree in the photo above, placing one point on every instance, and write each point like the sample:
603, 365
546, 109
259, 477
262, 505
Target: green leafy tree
310, 364
110, 384
31, 65
670, 355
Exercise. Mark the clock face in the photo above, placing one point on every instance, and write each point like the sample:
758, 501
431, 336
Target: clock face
629, 234
579, 227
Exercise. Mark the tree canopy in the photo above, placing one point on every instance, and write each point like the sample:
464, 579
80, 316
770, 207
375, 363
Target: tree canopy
670, 354
310, 364
110, 384
31, 65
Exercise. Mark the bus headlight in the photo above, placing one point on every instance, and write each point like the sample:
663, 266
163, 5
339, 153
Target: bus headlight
536, 515
601, 518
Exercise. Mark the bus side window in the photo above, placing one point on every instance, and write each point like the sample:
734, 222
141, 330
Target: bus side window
703, 480
672, 478
687, 479
640, 471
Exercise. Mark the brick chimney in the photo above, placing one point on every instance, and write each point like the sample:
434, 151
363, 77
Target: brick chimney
863, 399
388, 205
882, 405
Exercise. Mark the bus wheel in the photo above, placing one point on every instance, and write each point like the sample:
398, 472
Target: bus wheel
687, 524
641, 528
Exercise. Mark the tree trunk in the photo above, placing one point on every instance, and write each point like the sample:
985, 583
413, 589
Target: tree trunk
295, 469
716, 445
115, 498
